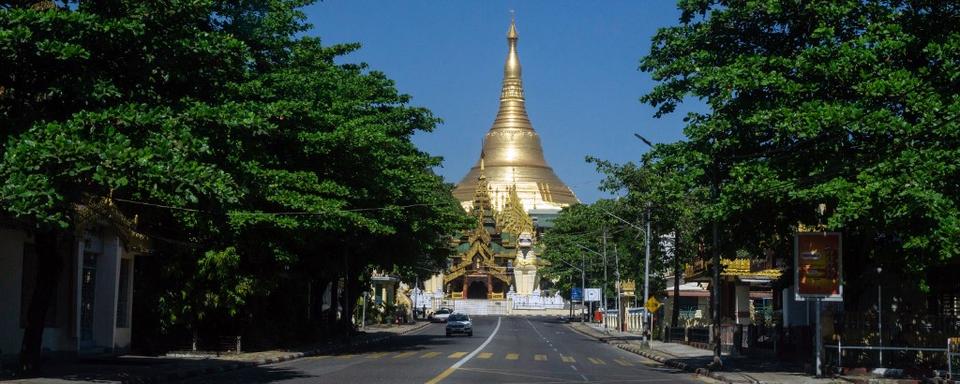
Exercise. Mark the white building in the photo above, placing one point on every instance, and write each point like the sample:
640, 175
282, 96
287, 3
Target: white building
90, 311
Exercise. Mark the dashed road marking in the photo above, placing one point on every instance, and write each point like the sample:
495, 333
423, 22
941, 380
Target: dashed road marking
377, 355
623, 362
485, 355
568, 359
596, 361
540, 357
461, 362
405, 354
429, 355
345, 357
513, 356
457, 355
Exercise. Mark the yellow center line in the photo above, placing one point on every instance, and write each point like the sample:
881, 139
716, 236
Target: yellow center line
442, 375
540, 357
405, 354
485, 355
596, 361
513, 356
459, 363
457, 355
429, 355
568, 359
623, 362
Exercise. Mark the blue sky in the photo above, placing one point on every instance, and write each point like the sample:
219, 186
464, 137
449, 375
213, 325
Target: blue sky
579, 62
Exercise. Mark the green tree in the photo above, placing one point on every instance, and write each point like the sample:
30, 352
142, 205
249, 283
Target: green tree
258, 165
91, 102
668, 183
852, 104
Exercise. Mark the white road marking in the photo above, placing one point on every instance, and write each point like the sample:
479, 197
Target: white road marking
466, 358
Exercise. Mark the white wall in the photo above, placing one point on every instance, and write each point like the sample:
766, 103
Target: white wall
105, 303
57, 337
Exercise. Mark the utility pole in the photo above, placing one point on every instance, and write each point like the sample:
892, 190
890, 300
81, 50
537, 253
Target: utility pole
715, 292
880, 313
583, 282
363, 318
620, 317
604, 276
646, 273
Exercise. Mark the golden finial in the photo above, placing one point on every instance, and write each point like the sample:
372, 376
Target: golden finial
512, 32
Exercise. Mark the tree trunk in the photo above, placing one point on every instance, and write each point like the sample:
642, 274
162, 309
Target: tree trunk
334, 302
352, 285
49, 265
318, 304
675, 316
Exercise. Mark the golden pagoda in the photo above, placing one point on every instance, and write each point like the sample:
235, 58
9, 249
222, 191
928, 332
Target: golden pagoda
512, 150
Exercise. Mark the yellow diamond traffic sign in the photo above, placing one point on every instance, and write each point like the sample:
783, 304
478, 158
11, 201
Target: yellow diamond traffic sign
652, 304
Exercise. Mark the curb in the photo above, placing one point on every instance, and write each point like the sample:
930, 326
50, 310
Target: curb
178, 376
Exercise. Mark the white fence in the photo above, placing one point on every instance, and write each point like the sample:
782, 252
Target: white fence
536, 301
435, 300
632, 321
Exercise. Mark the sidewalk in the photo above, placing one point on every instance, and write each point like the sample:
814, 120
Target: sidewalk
147, 369
736, 369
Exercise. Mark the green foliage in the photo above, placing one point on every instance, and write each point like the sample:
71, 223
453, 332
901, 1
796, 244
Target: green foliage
853, 104
255, 162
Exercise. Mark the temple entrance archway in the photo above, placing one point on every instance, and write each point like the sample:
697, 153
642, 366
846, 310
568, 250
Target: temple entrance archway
477, 290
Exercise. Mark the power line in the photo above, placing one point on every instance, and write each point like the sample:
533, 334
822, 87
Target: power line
281, 213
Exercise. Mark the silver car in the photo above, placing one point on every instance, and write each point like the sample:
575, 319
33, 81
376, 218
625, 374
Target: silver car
459, 323
440, 316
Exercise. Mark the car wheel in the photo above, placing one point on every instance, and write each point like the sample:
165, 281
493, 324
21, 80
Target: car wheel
470, 334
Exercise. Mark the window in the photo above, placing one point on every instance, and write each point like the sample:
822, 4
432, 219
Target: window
27, 283
123, 295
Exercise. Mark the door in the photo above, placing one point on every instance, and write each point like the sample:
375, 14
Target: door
88, 285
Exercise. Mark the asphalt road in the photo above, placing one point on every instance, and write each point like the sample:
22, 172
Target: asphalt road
522, 350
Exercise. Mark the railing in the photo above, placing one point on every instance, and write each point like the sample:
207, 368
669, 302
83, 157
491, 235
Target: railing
948, 353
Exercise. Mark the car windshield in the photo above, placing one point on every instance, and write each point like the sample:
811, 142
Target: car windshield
458, 318
443, 312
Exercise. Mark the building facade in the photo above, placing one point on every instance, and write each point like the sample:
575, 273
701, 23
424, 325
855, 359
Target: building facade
90, 311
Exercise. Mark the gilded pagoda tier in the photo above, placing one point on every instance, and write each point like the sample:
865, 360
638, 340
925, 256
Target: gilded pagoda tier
512, 149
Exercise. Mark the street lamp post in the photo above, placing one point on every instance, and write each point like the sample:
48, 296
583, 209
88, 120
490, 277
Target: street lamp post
620, 314
363, 317
646, 234
880, 313
583, 284
646, 272
604, 277
604, 256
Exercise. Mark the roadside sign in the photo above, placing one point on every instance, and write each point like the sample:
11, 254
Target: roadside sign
652, 305
576, 294
818, 268
593, 294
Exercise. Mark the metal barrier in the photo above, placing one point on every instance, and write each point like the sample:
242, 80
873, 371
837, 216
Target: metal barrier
953, 349
947, 351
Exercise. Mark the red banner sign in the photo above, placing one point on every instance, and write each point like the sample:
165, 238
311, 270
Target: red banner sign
818, 265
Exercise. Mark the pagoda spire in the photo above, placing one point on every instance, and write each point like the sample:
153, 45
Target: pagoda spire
511, 151
512, 112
